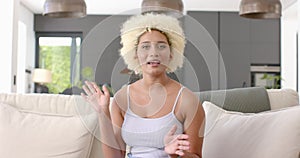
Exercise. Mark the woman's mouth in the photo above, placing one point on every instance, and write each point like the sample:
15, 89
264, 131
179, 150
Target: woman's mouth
153, 63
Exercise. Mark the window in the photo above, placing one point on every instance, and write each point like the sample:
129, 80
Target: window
60, 53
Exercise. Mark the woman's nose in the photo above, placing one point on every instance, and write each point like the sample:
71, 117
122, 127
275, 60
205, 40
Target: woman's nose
154, 52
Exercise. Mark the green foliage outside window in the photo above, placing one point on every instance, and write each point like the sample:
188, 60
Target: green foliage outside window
57, 60
88, 74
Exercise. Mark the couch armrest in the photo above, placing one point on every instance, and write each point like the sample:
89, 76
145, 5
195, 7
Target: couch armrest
282, 98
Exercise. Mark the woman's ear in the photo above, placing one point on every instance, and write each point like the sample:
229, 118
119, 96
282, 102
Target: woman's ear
171, 55
135, 56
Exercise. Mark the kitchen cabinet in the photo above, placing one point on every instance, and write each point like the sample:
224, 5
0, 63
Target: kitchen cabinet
201, 51
235, 49
265, 41
241, 42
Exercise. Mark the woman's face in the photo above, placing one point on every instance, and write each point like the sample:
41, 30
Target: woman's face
153, 52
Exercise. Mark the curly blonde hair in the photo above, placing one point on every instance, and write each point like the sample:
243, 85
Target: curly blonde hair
137, 25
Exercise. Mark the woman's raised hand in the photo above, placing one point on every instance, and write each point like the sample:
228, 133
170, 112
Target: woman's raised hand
176, 144
93, 94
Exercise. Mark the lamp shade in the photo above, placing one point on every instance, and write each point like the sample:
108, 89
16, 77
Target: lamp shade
65, 8
42, 76
260, 9
170, 7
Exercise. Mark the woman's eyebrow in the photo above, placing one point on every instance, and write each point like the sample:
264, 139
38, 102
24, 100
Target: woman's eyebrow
146, 42
162, 42
154, 41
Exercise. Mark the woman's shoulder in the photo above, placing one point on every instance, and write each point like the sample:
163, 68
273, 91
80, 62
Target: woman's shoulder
134, 84
189, 97
188, 92
120, 98
121, 92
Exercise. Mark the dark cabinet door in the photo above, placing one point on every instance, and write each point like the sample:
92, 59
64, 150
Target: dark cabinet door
201, 29
241, 42
235, 50
265, 41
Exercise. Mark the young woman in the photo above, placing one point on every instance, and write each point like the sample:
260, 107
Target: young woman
155, 116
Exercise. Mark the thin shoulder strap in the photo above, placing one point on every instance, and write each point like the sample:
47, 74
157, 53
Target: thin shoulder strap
175, 103
128, 96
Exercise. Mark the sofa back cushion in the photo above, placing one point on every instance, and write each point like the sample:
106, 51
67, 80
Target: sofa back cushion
44, 103
44, 125
248, 100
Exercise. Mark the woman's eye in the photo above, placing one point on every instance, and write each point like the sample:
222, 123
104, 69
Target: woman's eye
145, 47
162, 46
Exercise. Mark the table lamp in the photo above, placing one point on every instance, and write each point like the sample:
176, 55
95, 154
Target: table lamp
40, 77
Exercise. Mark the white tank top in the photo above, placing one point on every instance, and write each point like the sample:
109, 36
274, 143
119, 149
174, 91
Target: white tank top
145, 136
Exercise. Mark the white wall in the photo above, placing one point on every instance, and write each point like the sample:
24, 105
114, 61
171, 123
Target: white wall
26, 53
11, 43
6, 32
289, 47
298, 30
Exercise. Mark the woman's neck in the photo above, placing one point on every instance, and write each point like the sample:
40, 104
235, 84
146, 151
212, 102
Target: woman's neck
148, 80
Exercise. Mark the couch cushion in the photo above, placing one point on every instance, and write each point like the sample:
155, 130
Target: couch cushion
272, 134
34, 131
248, 100
282, 98
46, 103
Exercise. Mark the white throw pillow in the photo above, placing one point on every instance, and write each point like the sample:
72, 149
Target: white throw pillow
272, 134
29, 134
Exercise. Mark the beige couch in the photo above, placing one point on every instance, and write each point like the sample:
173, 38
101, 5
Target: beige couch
63, 126
272, 131
47, 125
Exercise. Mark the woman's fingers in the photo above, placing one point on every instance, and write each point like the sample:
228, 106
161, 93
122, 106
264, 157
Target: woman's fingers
83, 95
179, 152
105, 90
176, 144
96, 97
87, 90
90, 88
97, 89
182, 136
183, 143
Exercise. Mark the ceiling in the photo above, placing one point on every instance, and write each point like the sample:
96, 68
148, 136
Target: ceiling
132, 6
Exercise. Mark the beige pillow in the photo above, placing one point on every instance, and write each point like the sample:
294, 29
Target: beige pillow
273, 134
27, 134
282, 98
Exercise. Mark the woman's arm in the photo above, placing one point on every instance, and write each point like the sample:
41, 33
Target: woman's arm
195, 130
188, 144
193, 114
111, 146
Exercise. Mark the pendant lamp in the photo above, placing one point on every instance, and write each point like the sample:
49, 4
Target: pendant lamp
169, 7
65, 8
260, 9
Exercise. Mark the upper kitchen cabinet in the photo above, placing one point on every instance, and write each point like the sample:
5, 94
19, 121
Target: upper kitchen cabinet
209, 20
265, 41
235, 49
201, 51
241, 43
